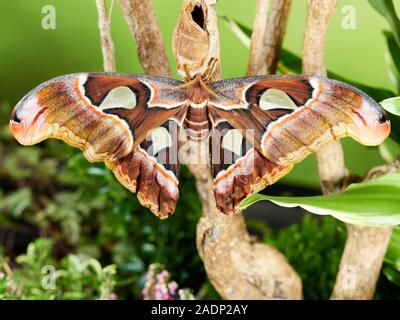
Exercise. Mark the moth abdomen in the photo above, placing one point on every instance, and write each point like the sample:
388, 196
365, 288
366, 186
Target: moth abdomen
196, 123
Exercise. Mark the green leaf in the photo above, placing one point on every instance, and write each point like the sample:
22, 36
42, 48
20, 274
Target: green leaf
240, 30
392, 105
395, 131
313, 247
379, 6
372, 203
392, 275
392, 57
96, 267
392, 256
387, 10
17, 202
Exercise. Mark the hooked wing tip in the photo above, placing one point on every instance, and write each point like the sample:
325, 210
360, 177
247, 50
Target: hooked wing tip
25, 124
371, 125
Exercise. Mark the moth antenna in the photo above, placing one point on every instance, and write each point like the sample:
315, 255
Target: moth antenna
208, 89
187, 73
184, 85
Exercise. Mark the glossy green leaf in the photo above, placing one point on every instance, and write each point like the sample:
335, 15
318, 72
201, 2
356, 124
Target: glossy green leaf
392, 258
393, 252
241, 31
372, 203
392, 275
392, 57
392, 105
395, 131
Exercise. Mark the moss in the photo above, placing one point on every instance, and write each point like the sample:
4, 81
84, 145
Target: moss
313, 248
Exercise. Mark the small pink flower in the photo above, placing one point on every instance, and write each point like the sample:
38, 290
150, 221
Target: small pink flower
158, 295
172, 287
162, 276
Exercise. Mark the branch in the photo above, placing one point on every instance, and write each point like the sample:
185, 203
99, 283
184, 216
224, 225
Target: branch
144, 28
361, 262
269, 27
107, 44
365, 246
319, 13
238, 267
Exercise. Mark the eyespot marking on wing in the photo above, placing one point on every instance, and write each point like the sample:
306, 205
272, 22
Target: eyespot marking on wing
276, 99
232, 141
161, 139
120, 97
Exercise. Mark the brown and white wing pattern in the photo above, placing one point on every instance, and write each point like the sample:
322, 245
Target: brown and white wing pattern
129, 122
286, 118
261, 127
237, 167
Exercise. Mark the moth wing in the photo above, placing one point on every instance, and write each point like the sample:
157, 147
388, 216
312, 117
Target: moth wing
114, 118
285, 118
238, 168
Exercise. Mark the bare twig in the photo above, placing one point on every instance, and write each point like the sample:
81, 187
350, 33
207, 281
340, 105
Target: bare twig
268, 30
376, 172
143, 25
107, 44
318, 15
238, 267
365, 247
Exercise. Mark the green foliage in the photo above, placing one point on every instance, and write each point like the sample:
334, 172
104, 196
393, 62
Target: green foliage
371, 203
392, 258
391, 56
313, 248
40, 276
387, 10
